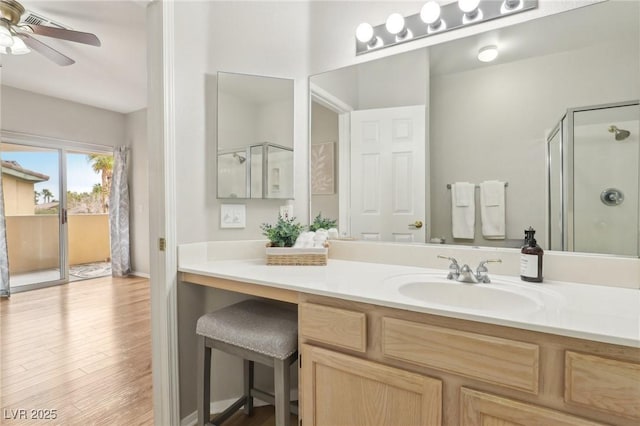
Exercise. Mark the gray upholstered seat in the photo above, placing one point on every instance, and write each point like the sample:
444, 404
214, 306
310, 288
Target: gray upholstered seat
257, 331
256, 325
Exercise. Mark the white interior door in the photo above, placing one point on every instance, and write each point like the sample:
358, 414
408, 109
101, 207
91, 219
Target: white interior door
388, 174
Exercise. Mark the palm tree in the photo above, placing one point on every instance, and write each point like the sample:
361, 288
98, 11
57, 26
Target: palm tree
47, 195
103, 164
36, 197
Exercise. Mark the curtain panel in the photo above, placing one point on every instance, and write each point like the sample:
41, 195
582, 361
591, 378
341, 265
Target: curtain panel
119, 215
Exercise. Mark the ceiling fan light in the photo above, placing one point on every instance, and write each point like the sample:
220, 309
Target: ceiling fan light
6, 39
18, 47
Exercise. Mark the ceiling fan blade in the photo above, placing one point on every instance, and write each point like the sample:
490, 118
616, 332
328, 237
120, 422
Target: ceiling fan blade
64, 34
45, 50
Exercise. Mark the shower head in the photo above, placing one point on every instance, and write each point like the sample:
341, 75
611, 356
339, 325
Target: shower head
240, 158
620, 134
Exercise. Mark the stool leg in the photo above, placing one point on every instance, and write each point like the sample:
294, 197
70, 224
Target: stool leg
281, 380
248, 385
204, 382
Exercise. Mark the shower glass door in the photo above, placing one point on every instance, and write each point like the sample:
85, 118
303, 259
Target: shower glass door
606, 164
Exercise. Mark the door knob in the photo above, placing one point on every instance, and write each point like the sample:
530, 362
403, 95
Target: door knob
416, 225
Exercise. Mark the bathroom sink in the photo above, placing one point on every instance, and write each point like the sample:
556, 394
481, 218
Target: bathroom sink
498, 296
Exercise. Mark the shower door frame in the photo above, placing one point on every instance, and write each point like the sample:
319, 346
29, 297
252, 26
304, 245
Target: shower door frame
567, 159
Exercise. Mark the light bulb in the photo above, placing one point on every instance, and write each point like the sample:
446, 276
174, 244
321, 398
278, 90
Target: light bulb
430, 12
364, 32
6, 39
488, 53
395, 24
509, 6
468, 6
19, 48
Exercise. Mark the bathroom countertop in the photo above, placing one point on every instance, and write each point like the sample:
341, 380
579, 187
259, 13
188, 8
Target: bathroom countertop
592, 312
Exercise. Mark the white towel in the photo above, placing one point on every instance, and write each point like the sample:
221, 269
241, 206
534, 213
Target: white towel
492, 209
463, 210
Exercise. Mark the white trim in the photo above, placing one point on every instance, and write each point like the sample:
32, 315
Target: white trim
344, 171
161, 128
328, 100
140, 274
49, 142
343, 109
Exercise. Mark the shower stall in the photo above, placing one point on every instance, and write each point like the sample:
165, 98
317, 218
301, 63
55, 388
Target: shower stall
593, 180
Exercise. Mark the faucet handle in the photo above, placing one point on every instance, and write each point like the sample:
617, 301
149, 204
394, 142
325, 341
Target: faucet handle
454, 268
482, 271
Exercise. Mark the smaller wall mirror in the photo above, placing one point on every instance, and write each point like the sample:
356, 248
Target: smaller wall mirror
255, 136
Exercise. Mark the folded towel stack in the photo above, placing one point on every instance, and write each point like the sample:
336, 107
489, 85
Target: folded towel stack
463, 210
492, 209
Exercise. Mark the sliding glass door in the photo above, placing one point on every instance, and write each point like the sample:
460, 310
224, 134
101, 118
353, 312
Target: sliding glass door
33, 191
56, 204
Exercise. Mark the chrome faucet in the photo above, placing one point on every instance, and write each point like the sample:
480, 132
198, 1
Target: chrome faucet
454, 268
482, 273
465, 274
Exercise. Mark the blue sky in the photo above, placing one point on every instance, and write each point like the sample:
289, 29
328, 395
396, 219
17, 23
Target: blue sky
80, 175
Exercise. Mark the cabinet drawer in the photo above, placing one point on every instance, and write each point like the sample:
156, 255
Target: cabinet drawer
335, 326
491, 359
603, 384
341, 389
479, 408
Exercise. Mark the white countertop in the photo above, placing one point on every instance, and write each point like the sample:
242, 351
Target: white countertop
599, 313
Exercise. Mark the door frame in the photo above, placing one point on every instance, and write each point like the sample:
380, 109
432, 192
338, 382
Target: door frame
343, 109
63, 147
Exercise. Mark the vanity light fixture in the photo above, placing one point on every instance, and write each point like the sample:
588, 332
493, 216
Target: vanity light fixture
364, 34
396, 26
509, 6
435, 18
431, 15
471, 11
488, 53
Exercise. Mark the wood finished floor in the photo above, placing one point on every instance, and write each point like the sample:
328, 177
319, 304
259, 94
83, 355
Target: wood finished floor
261, 416
82, 349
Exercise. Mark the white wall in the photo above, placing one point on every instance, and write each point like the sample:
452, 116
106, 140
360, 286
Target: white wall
481, 131
136, 140
34, 114
261, 38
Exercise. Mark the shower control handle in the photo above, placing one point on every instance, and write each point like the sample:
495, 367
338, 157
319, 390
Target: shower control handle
612, 197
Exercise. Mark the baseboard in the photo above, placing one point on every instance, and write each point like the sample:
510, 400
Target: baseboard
219, 406
140, 274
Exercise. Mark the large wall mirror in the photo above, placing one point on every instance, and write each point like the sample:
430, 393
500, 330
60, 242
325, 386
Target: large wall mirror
399, 131
255, 136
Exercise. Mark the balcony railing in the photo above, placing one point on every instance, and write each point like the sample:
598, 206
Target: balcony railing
33, 241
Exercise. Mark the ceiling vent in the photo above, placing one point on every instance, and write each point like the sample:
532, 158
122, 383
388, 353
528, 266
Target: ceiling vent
30, 17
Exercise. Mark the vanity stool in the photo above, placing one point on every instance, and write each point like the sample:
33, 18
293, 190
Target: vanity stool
257, 331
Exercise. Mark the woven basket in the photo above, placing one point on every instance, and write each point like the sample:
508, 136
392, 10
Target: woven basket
297, 256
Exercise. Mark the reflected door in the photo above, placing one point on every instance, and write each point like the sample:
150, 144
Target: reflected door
606, 163
388, 174
32, 187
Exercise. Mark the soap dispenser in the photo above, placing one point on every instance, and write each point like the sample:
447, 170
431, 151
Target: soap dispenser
531, 258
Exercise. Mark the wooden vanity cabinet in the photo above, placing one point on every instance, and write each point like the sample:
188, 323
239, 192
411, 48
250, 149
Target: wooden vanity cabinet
364, 364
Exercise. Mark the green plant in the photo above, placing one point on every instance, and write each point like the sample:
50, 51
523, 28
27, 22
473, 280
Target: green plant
283, 233
322, 222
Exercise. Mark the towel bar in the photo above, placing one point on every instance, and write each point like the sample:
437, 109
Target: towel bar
477, 186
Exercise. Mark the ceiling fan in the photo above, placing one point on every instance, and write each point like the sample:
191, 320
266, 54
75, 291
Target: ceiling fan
16, 36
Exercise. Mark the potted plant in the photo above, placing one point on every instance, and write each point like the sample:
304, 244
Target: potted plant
320, 222
282, 236
283, 233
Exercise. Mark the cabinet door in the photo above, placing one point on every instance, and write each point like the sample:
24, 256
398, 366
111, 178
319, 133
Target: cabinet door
338, 389
483, 409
